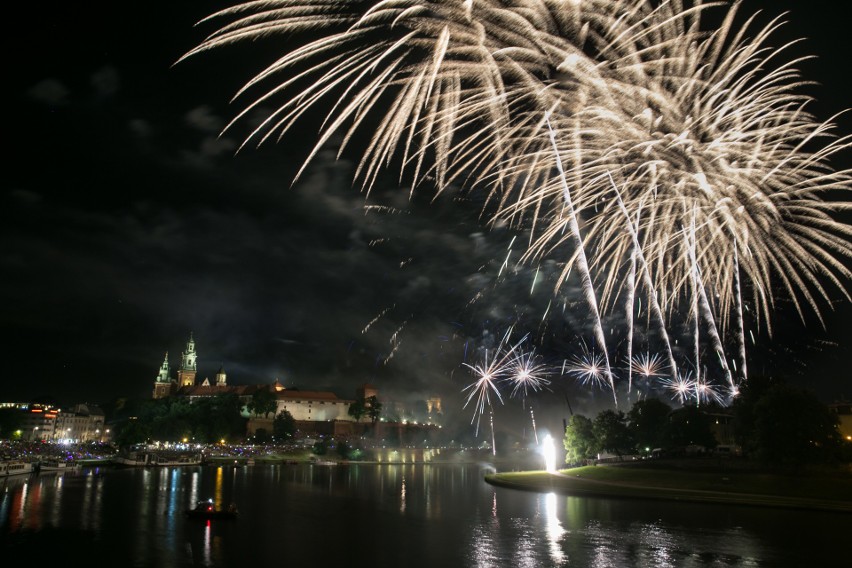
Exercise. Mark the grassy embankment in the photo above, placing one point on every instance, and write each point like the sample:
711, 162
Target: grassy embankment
829, 492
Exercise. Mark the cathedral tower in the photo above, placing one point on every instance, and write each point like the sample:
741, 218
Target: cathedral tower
186, 373
221, 378
163, 384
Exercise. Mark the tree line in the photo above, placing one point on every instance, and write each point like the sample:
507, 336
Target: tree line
202, 420
772, 422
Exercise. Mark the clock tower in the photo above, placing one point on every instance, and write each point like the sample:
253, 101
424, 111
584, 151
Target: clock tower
188, 364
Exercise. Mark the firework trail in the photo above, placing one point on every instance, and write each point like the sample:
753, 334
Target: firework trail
581, 261
395, 342
694, 277
740, 329
377, 318
631, 293
493, 437
488, 376
526, 374
656, 309
484, 387
714, 333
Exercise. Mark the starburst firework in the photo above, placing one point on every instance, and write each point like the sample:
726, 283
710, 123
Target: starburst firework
646, 365
527, 373
589, 368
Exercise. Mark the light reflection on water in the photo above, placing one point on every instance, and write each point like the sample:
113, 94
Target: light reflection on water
554, 529
396, 515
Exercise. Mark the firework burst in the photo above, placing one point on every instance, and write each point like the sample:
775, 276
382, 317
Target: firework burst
487, 378
526, 373
682, 387
589, 368
579, 120
646, 365
687, 122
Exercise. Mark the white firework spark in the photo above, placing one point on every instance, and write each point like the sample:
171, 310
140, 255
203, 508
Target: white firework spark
682, 387
646, 365
589, 368
484, 387
526, 373
708, 393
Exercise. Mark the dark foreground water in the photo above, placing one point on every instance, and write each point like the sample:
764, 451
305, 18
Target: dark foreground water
386, 515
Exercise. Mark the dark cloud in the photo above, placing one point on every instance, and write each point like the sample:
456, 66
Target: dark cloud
106, 82
202, 118
50, 92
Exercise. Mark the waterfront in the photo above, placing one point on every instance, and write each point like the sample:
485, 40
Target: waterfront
388, 515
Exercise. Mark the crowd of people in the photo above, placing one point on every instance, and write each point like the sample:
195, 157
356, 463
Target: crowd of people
41, 450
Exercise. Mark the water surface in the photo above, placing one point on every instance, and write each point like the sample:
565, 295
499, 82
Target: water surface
389, 515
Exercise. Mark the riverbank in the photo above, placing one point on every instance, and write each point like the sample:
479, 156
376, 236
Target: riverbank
814, 492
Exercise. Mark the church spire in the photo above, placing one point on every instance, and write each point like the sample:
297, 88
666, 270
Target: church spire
188, 357
188, 364
163, 383
163, 375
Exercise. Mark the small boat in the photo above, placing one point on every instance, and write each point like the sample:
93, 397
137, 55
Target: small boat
56, 465
15, 467
205, 510
143, 459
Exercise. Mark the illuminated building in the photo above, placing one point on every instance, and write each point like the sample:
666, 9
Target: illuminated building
83, 423
843, 410
39, 421
165, 386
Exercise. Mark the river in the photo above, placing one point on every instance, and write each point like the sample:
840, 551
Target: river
412, 516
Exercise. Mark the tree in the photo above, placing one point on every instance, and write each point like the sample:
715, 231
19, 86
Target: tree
263, 401
216, 418
580, 443
342, 449
648, 420
611, 432
284, 425
750, 393
793, 428
357, 410
690, 426
11, 420
374, 408
207, 419
320, 447
261, 436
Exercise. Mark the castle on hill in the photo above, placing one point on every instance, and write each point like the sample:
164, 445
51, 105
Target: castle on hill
305, 406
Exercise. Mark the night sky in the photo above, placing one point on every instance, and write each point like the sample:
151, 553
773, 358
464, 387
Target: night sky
128, 222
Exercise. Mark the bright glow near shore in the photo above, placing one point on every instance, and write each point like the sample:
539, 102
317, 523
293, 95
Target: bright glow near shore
549, 453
